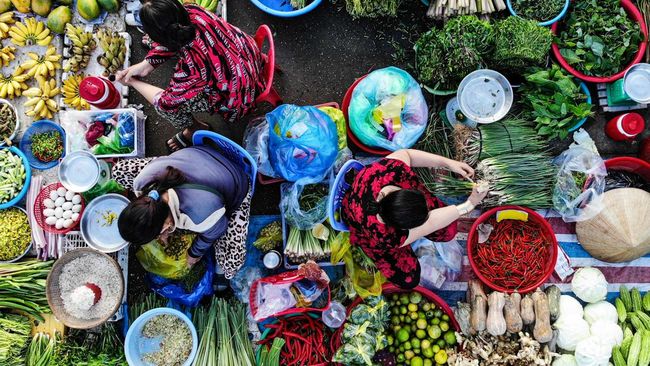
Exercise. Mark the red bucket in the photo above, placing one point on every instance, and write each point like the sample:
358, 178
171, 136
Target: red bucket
547, 231
630, 165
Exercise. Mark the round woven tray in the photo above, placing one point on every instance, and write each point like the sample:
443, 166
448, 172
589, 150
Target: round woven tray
54, 295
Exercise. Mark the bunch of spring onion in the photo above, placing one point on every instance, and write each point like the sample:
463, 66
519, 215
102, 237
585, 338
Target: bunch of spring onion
22, 287
14, 335
41, 350
144, 304
205, 320
510, 136
233, 345
271, 357
442, 9
314, 244
435, 140
515, 179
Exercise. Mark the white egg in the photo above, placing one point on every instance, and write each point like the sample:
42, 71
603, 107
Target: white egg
67, 223
75, 216
69, 195
67, 206
48, 203
76, 199
48, 212
59, 202
59, 224
67, 214
54, 195
61, 191
58, 212
76, 208
51, 220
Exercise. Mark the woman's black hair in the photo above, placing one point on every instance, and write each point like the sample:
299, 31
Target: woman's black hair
167, 22
403, 209
143, 219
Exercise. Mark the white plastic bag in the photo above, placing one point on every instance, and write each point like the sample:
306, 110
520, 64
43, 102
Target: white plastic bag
256, 142
439, 262
573, 200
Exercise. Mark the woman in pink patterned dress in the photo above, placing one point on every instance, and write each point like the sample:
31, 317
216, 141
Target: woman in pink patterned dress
388, 208
218, 70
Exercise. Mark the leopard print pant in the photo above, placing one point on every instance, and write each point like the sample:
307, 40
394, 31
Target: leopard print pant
230, 249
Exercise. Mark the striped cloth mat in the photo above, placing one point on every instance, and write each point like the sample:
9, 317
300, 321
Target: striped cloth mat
633, 274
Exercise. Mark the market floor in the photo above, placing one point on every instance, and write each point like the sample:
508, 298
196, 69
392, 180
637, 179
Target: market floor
320, 55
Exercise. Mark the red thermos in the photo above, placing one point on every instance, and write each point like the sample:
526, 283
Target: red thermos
100, 92
625, 127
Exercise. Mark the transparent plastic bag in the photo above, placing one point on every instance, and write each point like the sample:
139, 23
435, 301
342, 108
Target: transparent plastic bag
303, 143
242, 282
256, 142
297, 216
580, 182
439, 262
388, 110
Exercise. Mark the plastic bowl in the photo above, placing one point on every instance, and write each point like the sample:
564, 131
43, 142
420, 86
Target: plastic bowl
26, 143
286, 14
585, 90
636, 15
629, 164
28, 178
355, 141
548, 22
29, 247
472, 240
135, 345
16, 128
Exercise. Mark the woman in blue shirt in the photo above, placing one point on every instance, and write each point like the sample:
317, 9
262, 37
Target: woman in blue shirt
195, 189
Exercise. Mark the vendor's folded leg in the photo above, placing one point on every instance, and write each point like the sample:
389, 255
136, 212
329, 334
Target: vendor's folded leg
184, 138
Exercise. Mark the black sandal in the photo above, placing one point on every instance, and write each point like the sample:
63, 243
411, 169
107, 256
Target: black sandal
180, 139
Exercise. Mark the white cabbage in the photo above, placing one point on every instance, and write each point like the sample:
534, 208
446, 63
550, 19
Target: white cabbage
589, 284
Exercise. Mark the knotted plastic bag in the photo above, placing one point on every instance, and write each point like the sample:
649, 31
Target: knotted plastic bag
303, 143
154, 260
387, 110
365, 282
175, 290
580, 182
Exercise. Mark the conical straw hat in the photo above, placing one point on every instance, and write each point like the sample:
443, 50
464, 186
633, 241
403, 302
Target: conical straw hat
621, 231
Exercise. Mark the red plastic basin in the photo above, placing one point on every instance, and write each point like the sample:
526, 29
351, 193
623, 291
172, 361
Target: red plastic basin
629, 164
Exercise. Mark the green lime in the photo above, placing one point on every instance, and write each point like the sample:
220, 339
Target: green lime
403, 310
450, 338
420, 334
404, 299
438, 313
441, 343
421, 315
427, 352
413, 307
415, 343
401, 358
409, 354
435, 348
445, 317
416, 351
427, 362
407, 345
441, 357
426, 306
415, 297
444, 326
403, 335
434, 331
425, 344
390, 340
421, 324
417, 361
394, 320
435, 321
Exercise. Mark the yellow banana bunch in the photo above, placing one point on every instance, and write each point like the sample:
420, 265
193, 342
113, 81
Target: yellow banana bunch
13, 85
6, 19
42, 65
114, 47
40, 102
82, 45
7, 55
71, 95
209, 5
30, 32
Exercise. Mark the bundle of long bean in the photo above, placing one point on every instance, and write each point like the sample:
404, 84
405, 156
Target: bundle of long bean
14, 335
22, 287
516, 179
513, 135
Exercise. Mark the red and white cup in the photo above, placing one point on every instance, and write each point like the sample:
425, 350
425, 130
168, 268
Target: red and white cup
625, 127
100, 92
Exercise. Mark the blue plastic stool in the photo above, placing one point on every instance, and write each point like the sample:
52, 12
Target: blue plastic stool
335, 198
230, 150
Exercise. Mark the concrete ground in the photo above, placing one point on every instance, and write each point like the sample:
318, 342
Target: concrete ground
320, 55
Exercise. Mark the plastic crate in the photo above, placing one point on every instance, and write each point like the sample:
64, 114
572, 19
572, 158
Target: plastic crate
73, 240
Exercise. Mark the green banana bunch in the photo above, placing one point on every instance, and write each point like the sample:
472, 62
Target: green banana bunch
82, 45
114, 47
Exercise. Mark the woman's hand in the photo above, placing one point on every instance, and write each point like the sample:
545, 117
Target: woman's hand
460, 168
192, 261
477, 195
139, 70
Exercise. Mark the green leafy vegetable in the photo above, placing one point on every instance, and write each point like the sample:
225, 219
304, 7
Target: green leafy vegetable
538, 10
599, 38
14, 335
554, 101
47, 146
520, 43
372, 8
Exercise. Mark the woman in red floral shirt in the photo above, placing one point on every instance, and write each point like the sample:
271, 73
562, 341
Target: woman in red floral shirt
219, 67
388, 208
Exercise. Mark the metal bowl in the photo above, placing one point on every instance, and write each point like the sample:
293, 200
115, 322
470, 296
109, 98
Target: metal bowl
636, 83
485, 96
94, 228
29, 246
79, 171
16, 128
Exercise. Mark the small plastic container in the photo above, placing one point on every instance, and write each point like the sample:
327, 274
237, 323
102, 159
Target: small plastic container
335, 316
636, 83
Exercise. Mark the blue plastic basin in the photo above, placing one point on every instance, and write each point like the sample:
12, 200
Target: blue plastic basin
28, 178
135, 345
267, 6
548, 22
26, 143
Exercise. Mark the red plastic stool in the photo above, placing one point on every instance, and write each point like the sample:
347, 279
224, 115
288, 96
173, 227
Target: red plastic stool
269, 94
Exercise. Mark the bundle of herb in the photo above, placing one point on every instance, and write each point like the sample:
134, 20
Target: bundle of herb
538, 10
554, 100
14, 335
372, 8
90, 348
509, 136
233, 345
444, 57
299, 4
599, 38
520, 43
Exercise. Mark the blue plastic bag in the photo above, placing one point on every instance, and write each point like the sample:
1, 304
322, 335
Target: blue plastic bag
303, 143
387, 110
126, 129
174, 290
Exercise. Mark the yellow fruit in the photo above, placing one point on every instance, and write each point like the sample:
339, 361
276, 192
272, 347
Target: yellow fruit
42, 65
40, 103
5, 6
21, 5
88, 9
30, 32
59, 18
71, 95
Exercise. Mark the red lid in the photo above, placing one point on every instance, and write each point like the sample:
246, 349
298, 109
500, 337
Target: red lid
633, 123
92, 88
